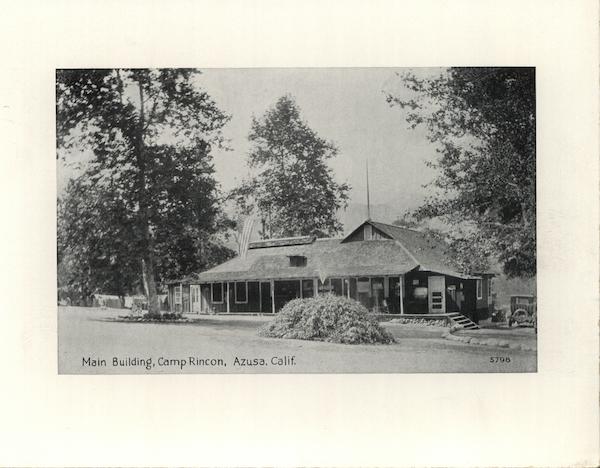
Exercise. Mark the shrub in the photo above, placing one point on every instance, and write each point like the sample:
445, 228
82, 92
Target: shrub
326, 318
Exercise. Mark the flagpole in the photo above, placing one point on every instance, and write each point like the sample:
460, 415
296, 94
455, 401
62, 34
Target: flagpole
368, 199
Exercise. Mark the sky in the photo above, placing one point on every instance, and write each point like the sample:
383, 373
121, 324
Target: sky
343, 105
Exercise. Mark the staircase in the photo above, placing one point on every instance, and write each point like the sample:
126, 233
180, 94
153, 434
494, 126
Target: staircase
461, 320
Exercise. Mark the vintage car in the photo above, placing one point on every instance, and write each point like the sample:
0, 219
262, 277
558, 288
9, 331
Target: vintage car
523, 310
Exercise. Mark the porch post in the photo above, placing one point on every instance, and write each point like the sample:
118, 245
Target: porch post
228, 310
272, 296
300, 281
316, 287
401, 294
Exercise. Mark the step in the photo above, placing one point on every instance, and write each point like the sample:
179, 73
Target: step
464, 322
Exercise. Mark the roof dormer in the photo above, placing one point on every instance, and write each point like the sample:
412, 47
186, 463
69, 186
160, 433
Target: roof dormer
365, 232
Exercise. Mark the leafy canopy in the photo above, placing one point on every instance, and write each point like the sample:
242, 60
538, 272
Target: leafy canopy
483, 123
293, 190
146, 206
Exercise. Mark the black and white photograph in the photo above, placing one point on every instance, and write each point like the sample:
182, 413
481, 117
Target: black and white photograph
296, 220
309, 233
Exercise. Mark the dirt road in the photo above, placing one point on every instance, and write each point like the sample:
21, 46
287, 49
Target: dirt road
90, 342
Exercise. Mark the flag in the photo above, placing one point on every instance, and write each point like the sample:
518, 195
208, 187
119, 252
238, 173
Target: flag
245, 237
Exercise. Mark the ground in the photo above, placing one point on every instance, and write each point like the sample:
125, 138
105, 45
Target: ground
91, 342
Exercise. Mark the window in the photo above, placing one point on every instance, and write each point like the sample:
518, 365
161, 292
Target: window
336, 286
363, 286
177, 292
479, 289
324, 287
420, 293
297, 261
377, 287
217, 293
241, 293
307, 288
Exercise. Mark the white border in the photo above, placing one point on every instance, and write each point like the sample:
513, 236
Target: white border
544, 419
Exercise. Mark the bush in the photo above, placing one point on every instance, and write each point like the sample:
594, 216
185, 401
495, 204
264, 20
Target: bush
326, 318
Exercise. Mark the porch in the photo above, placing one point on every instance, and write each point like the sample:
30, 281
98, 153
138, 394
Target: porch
416, 292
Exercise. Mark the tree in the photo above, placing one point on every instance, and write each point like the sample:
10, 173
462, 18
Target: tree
407, 221
94, 239
460, 244
483, 123
148, 196
294, 190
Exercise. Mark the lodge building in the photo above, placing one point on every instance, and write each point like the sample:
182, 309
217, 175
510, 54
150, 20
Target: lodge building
389, 269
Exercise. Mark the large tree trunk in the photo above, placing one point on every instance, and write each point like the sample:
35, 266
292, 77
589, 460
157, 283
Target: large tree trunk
150, 286
144, 218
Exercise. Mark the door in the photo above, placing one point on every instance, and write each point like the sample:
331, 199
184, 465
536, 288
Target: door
394, 295
437, 294
205, 298
363, 288
265, 297
195, 299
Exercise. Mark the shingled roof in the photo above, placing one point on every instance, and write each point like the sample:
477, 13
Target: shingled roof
431, 252
403, 251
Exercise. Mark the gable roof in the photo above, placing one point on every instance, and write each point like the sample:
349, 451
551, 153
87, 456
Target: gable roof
431, 252
405, 250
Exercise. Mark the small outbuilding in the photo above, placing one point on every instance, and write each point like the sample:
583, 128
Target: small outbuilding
388, 268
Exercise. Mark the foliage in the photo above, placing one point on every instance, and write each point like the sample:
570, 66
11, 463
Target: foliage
470, 249
420, 322
460, 242
146, 206
168, 316
327, 318
483, 122
407, 220
94, 241
294, 190
505, 287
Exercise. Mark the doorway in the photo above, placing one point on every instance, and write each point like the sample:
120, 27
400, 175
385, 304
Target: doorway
265, 297
195, 301
437, 294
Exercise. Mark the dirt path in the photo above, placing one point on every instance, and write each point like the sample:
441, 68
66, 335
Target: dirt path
217, 345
